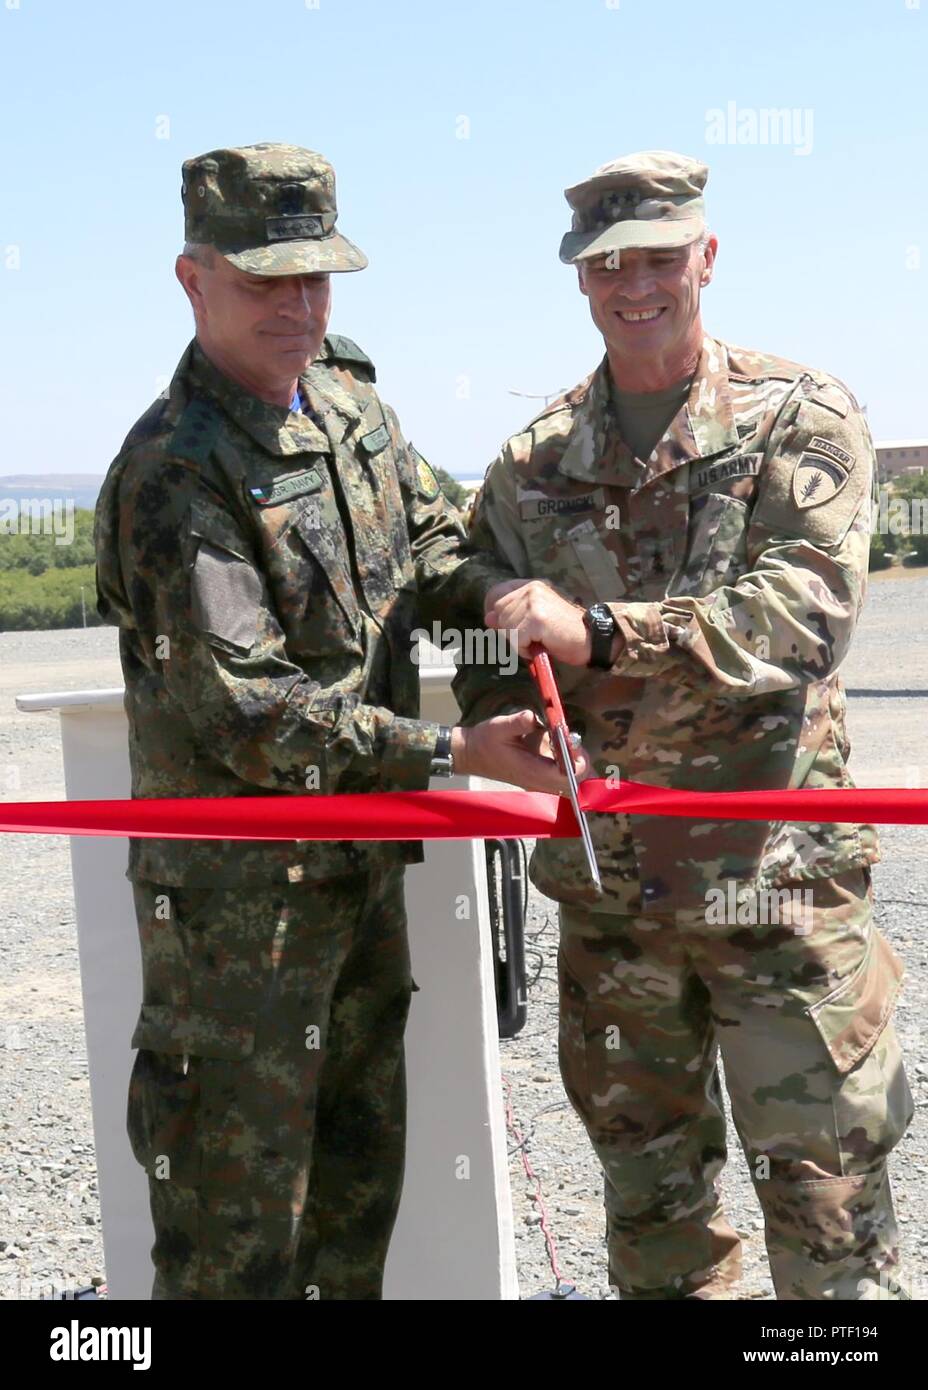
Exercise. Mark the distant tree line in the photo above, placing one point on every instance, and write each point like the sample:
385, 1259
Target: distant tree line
40, 581
910, 546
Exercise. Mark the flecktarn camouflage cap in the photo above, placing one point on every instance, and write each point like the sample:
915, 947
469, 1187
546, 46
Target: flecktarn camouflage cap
653, 198
269, 209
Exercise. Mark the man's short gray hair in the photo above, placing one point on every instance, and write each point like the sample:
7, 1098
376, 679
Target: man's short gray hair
201, 252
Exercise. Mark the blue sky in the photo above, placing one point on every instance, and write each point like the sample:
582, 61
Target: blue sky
823, 243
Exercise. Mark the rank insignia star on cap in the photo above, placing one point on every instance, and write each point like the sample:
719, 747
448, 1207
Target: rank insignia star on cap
649, 199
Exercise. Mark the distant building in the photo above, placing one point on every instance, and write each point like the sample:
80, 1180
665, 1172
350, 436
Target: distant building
897, 456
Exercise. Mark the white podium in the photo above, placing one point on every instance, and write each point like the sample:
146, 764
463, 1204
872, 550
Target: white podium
453, 1237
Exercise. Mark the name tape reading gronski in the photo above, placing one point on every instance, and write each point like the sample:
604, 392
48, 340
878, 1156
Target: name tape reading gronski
449, 815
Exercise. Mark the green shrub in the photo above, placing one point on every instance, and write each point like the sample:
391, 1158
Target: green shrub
919, 550
455, 493
50, 600
880, 556
36, 553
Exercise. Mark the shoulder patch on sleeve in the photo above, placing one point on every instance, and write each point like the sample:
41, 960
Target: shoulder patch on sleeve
196, 430
426, 481
818, 478
337, 348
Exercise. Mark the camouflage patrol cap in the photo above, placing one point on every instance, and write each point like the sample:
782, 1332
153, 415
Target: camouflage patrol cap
269, 209
649, 199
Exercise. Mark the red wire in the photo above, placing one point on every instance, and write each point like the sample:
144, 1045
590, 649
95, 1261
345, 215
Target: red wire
533, 1178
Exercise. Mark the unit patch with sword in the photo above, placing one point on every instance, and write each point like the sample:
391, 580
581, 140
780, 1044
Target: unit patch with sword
820, 473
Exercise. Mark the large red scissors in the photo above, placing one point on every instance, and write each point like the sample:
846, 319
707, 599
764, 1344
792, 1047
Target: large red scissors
543, 675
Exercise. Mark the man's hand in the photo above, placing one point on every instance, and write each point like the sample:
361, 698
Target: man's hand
514, 748
540, 613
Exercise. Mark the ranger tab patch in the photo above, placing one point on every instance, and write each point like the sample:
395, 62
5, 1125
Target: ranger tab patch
285, 489
428, 484
832, 450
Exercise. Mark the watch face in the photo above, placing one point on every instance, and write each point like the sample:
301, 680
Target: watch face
601, 618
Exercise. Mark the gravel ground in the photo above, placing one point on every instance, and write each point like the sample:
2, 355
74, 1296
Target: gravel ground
49, 1211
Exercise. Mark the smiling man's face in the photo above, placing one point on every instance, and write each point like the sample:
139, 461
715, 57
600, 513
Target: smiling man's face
261, 330
647, 308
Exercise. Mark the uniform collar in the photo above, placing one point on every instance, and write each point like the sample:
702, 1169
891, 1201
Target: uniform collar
337, 411
276, 428
703, 426
594, 451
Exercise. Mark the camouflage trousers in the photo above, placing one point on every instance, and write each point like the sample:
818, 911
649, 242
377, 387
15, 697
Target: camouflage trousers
797, 995
267, 1102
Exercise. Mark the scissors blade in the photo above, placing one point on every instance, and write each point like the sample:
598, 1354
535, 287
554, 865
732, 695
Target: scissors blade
568, 764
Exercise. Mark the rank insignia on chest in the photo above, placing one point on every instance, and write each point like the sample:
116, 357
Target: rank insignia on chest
376, 440
426, 481
817, 479
285, 489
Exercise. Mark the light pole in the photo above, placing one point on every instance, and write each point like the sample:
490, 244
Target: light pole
530, 396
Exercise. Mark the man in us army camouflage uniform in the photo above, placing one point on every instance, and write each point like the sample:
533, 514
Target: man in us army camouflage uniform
691, 524
264, 539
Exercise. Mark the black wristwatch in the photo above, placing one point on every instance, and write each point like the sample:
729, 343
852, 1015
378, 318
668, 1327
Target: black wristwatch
602, 629
442, 761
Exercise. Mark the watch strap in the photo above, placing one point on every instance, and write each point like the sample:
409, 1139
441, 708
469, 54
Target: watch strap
602, 628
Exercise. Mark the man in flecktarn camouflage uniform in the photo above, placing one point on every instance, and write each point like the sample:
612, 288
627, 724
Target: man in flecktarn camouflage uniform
691, 525
265, 538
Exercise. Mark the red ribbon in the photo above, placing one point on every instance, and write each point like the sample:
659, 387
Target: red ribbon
447, 815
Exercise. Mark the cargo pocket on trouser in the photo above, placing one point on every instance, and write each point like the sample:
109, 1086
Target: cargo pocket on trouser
873, 1105
834, 1235
169, 1090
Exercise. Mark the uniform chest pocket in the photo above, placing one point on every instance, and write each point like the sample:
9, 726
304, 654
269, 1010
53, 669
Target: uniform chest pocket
596, 562
378, 516
395, 528
717, 546
549, 554
563, 543
308, 563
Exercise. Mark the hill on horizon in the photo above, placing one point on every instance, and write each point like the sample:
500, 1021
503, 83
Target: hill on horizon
83, 488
